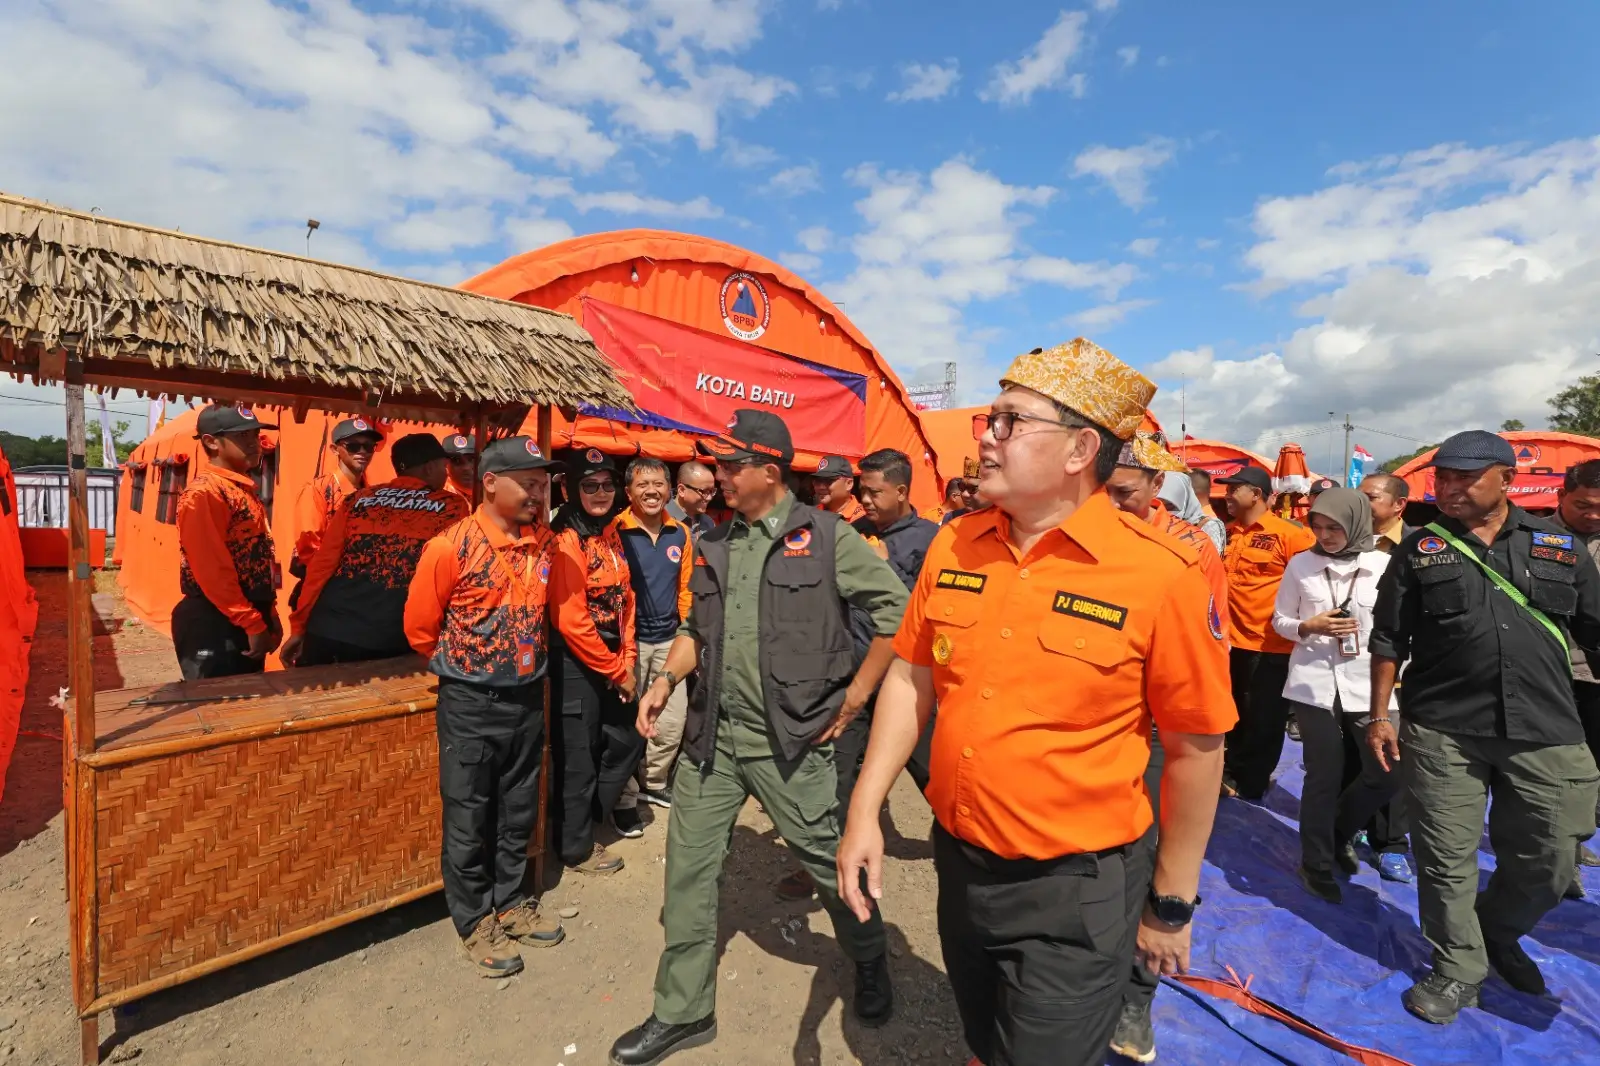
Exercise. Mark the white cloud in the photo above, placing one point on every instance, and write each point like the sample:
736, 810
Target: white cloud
1044, 66
748, 156
1206, 244
1106, 316
815, 239
535, 231
927, 81
632, 203
801, 262
794, 181
1104, 6
1145, 246
1125, 171
1448, 289
1128, 55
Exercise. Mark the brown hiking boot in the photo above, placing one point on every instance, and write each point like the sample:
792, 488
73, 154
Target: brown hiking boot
524, 924
491, 951
600, 861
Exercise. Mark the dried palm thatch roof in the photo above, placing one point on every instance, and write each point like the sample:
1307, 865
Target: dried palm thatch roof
152, 309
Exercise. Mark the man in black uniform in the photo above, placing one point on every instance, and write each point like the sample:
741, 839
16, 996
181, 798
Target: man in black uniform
1485, 603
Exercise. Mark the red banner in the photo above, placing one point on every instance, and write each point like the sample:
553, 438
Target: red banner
1532, 490
694, 381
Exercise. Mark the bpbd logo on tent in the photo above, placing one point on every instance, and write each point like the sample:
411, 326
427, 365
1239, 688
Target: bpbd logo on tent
746, 310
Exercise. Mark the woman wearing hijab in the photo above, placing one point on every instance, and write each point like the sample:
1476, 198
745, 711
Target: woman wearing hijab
1178, 494
596, 746
1325, 606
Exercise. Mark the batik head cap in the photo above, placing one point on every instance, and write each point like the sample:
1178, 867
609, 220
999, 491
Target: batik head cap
1085, 377
1148, 451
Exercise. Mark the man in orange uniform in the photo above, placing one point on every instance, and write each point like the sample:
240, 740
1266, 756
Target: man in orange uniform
833, 487
227, 622
352, 604
354, 442
458, 450
1052, 629
476, 611
1260, 545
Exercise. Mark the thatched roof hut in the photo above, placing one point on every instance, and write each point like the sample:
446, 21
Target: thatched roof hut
167, 312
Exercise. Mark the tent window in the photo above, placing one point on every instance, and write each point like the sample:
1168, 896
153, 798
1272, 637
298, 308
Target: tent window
174, 479
266, 479
137, 476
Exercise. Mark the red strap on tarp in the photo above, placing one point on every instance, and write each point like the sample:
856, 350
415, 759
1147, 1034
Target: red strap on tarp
1239, 994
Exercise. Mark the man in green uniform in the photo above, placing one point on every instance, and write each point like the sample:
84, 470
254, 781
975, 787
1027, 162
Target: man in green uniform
769, 634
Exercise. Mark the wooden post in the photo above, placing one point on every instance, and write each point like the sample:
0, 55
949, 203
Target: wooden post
80, 669
542, 827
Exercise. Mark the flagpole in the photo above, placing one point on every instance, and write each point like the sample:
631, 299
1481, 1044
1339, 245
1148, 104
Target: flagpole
1347, 453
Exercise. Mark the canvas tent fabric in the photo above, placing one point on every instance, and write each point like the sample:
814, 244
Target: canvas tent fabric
1219, 459
746, 303
19, 613
1543, 458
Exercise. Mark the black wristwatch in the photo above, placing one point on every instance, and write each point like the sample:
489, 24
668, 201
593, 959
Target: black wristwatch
1172, 910
672, 679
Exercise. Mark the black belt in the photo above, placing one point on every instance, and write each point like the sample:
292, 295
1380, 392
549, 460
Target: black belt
1078, 864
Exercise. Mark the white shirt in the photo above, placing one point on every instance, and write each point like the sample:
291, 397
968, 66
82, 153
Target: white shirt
1312, 584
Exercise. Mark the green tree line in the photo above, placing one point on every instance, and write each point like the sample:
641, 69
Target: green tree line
52, 451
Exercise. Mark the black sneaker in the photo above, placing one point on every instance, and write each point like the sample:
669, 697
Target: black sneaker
874, 992
1345, 855
1514, 965
628, 821
653, 1041
1135, 1037
659, 797
1438, 999
1321, 883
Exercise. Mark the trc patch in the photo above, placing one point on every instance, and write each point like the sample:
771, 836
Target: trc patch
1213, 619
1431, 545
1552, 540
1263, 541
1106, 614
1541, 551
961, 580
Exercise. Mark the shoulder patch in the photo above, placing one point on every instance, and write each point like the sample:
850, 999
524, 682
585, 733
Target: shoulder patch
961, 580
1431, 545
1552, 540
1106, 614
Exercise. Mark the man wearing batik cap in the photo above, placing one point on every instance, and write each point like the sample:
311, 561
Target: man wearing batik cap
1486, 603
1052, 630
461, 454
833, 489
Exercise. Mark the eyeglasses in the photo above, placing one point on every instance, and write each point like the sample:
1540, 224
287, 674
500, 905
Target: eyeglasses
1003, 422
697, 492
359, 446
733, 466
596, 486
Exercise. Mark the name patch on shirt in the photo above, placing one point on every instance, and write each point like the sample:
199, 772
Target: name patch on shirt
1107, 614
961, 580
1540, 551
1264, 541
1423, 561
1552, 540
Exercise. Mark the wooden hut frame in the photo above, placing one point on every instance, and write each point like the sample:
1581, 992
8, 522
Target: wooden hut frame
86, 300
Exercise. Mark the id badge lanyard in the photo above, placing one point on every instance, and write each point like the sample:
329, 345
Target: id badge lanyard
1349, 643
522, 578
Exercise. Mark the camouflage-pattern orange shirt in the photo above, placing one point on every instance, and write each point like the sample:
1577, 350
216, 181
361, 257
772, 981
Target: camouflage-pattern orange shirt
318, 503
477, 605
225, 549
595, 605
355, 588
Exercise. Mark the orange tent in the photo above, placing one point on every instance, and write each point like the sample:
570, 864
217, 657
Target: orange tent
19, 612
697, 327
1217, 458
1543, 457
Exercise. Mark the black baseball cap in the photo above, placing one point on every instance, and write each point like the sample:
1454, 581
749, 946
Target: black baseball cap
589, 461
752, 435
834, 466
1323, 484
1253, 476
218, 419
414, 450
456, 445
1474, 449
514, 453
355, 427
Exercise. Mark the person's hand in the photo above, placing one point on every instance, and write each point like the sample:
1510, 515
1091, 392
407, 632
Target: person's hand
1162, 948
880, 548
1384, 742
861, 849
1328, 624
290, 652
627, 687
854, 701
263, 643
651, 704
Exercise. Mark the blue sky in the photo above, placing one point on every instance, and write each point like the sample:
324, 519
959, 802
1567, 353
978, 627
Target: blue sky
1384, 209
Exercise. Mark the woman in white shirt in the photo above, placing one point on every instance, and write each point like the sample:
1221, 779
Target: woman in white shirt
1325, 606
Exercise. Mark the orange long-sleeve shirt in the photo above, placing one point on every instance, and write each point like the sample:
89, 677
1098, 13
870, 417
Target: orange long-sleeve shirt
594, 602
1196, 538
225, 549
315, 508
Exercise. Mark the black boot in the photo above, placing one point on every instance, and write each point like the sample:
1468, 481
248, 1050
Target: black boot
1513, 964
874, 992
1321, 883
653, 1041
1438, 999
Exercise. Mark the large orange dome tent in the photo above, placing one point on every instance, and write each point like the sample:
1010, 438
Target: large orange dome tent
1543, 457
698, 328
1219, 459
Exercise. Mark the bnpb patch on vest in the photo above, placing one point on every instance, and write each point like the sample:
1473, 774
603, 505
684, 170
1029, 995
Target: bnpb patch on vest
961, 580
1106, 614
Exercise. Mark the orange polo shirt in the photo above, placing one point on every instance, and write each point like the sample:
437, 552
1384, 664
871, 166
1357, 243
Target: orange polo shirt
1255, 560
1048, 669
315, 508
225, 549
852, 511
1196, 538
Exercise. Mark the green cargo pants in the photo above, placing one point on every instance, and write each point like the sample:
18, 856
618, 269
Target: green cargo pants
804, 807
1544, 804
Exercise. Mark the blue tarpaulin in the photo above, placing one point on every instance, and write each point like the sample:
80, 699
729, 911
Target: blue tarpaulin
1343, 967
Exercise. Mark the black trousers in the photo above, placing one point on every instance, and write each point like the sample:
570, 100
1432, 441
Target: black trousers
208, 645
489, 746
597, 749
1037, 952
1587, 694
319, 650
849, 753
1256, 742
1142, 983
1332, 811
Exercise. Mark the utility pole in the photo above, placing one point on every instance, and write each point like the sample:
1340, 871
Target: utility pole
1345, 480
1331, 467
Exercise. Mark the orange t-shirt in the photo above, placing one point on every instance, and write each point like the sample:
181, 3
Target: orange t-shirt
1255, 560
1196, 538
1048, 670
315, 508
225, 549
592, 591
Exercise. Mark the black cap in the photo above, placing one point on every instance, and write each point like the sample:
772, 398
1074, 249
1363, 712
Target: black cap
1253, 476
514, 453
589, 461
1323, 484
355, 427
1474, 449
753, 435
457, 445
834, 466
220, 419
415, 449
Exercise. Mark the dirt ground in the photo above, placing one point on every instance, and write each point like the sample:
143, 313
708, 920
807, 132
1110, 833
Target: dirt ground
392, 990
